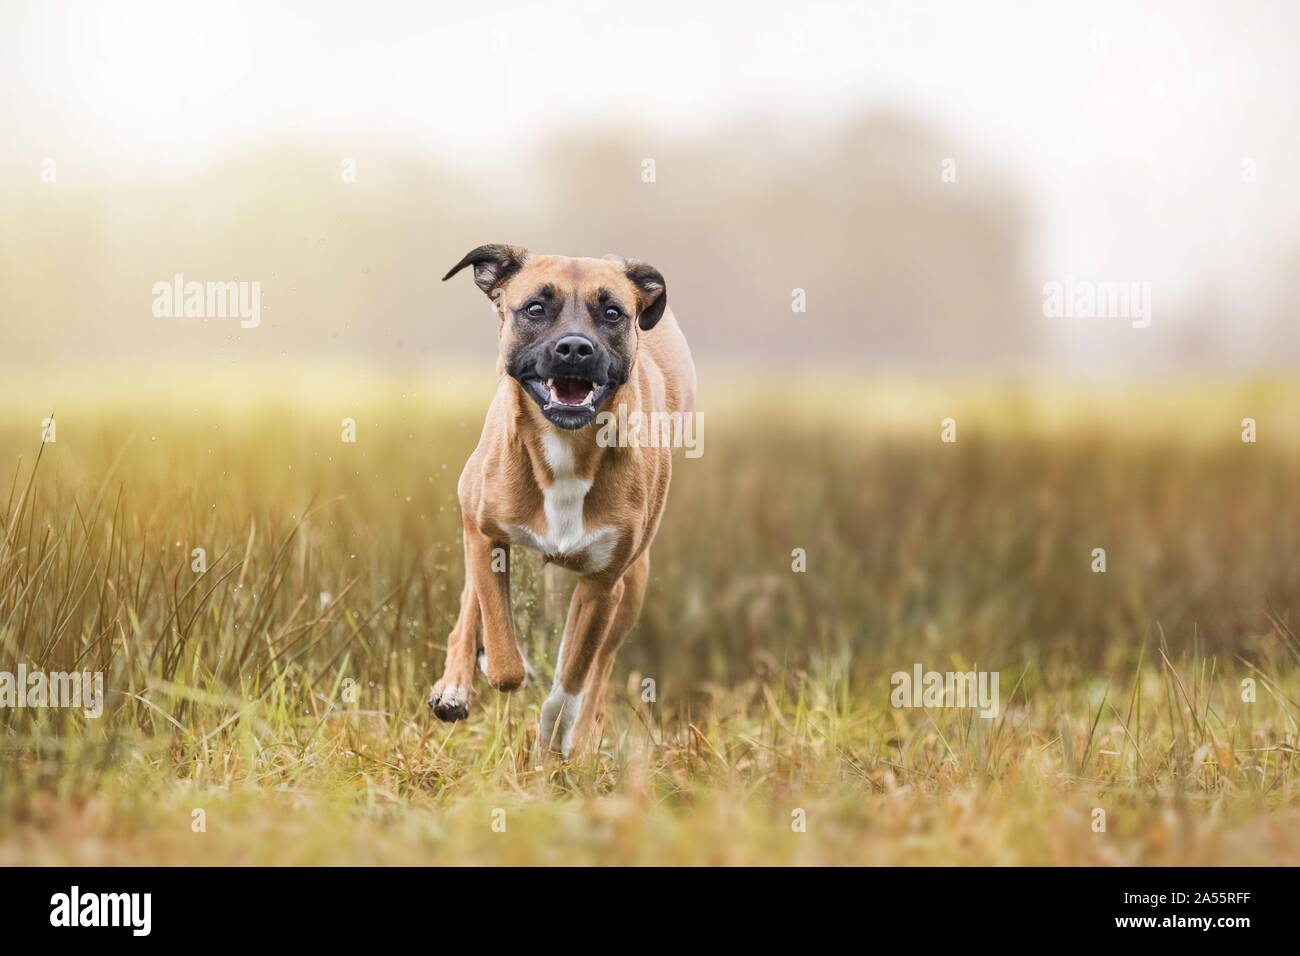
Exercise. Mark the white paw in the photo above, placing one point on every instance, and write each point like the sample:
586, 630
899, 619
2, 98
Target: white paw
559, 714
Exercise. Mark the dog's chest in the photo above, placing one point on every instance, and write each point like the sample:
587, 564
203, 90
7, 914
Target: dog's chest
563, 533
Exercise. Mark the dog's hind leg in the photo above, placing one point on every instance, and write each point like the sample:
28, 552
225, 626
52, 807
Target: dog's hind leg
599, 618
452, 693
590, 613
591, 720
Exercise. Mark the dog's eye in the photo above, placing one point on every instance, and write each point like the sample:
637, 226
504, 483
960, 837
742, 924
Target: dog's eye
613, 314
535, 310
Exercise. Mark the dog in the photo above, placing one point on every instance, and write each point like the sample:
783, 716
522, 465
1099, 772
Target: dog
576, 336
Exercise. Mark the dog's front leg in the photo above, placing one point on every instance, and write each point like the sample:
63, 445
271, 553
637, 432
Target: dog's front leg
504, 665
452, 694
590, 613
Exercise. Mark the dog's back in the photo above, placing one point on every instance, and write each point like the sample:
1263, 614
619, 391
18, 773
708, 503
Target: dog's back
664, 347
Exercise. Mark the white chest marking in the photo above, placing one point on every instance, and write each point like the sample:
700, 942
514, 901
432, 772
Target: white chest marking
562, 502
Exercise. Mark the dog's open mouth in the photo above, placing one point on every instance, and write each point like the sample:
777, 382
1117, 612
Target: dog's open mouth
567, 402
575, 393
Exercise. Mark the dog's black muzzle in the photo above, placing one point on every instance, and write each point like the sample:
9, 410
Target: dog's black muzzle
569, 377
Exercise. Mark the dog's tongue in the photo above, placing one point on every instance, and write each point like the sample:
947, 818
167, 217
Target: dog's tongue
571, 391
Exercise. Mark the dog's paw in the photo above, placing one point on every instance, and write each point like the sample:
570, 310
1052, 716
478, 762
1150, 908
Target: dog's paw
530, 675
507, 676
449, 701
560, 713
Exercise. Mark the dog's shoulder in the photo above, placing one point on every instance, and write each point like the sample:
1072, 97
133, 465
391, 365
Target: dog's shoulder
664, 350
498, 474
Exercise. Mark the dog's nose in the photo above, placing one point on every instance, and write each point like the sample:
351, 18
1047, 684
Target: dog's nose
573, 348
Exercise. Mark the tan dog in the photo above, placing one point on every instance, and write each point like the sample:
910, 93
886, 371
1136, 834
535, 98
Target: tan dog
576, 336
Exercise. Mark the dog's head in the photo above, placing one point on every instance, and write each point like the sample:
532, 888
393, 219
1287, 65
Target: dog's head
569, 327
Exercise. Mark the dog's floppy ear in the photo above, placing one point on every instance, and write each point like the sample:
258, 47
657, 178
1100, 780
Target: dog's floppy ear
653, 292
493, 265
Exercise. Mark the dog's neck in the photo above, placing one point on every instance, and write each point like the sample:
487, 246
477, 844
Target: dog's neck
584, 452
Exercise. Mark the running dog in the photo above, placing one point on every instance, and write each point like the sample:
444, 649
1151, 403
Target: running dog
576, 336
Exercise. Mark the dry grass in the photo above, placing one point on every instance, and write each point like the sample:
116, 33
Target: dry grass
330, 562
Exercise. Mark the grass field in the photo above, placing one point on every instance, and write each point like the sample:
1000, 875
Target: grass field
281, 691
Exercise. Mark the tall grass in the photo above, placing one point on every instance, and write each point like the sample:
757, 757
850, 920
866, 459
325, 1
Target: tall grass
282, 689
